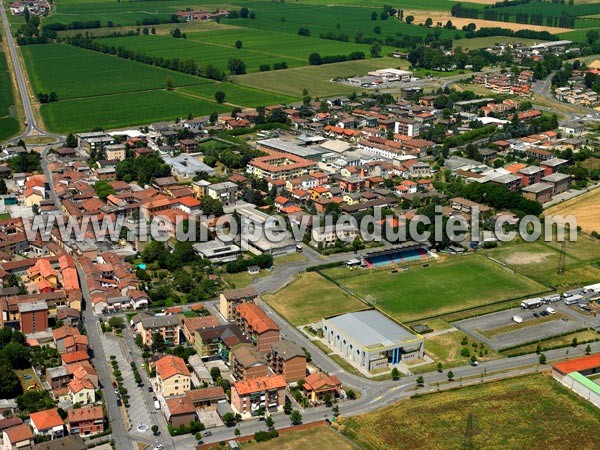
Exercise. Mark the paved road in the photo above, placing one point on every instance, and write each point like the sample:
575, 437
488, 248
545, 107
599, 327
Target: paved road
99, 360
32, 128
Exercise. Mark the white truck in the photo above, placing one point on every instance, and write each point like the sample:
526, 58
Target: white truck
550, 310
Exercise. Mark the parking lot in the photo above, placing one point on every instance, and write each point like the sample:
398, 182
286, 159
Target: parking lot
139, 412
531, 329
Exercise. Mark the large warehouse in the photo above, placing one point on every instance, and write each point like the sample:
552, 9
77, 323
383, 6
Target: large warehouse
371, 340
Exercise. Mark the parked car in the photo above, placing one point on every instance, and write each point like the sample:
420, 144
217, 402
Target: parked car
207, 433
149, 388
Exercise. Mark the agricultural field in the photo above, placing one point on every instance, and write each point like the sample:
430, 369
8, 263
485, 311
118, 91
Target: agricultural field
454, 284
9, 126
121, 110
237, 95
310, 298
484, 42
507, 419
583, 208
74, 72
317, 79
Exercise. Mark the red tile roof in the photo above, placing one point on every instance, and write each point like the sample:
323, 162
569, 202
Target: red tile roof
578, 364
169, 366
256, 317
44, 420
19, 433
259, 384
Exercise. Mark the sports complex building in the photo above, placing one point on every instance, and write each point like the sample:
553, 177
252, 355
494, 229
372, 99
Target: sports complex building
371, 340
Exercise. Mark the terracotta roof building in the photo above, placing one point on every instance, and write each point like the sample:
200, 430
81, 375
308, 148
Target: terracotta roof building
255, 323
248, 396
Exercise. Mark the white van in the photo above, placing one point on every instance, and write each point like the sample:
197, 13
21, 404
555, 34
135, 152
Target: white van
517, 319
550, 310
156, 405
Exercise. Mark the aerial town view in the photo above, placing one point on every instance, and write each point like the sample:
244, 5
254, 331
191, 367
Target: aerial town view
299, 224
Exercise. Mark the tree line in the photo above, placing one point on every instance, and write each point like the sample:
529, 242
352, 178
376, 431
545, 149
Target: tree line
187, 66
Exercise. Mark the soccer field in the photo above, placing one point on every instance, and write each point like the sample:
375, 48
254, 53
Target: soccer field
454, 284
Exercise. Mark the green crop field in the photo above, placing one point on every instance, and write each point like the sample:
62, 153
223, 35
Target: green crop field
120, 110
454, 284
238, 95
9, 126
75, 72
132, 13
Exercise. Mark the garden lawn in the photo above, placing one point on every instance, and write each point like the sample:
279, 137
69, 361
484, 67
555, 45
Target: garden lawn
504, 416
310, 298
74, 72
454, 284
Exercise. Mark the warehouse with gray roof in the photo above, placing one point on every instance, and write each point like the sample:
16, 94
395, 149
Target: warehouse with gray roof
371, 340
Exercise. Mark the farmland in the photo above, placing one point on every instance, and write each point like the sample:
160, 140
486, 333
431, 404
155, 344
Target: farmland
9, 126
583, 208
74, 73
317, 79
113, 111
238, 95
447, 286
503, 421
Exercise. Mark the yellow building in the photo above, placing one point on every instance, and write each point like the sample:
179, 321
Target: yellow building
172, 376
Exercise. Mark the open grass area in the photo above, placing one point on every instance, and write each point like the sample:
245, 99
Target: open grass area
317, 79
242, 279
310, 298
562, 341
527, 412
539, 260
317, 438
451, 285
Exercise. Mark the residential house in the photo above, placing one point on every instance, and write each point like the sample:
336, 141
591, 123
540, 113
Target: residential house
259, 327
172, 376
268, 393
85, 421
247, 362
17, 438
318, 384
179, 411
228, 300
166, 326
287, 359
47, 423
217, 342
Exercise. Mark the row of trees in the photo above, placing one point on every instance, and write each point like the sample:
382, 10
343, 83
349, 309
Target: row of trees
316, 59
187, 66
